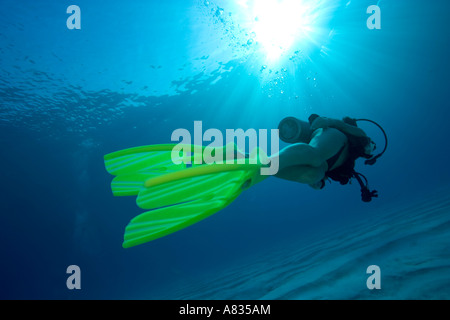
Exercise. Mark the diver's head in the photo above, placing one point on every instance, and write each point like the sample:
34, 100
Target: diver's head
370, 148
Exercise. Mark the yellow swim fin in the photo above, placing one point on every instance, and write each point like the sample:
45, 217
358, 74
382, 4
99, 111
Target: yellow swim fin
177, 195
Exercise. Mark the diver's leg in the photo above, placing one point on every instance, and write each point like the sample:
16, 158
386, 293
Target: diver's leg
303, 174
324, 145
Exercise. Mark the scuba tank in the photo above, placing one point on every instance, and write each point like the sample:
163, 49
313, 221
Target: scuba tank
293, 130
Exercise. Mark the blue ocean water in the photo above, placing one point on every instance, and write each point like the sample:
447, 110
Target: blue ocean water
136, 71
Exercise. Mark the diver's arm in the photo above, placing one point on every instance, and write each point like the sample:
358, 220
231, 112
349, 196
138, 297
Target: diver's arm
322, 122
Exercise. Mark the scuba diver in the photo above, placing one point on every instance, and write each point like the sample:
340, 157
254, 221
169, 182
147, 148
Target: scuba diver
182, 192
324, 149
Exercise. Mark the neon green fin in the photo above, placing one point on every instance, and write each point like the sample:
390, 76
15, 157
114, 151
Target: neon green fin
179, 195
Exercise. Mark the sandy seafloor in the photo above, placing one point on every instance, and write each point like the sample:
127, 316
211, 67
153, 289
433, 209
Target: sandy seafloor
409, 242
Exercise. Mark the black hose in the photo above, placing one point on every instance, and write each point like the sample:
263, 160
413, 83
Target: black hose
372, 160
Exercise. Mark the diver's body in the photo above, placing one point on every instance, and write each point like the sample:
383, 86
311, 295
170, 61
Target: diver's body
329, 148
